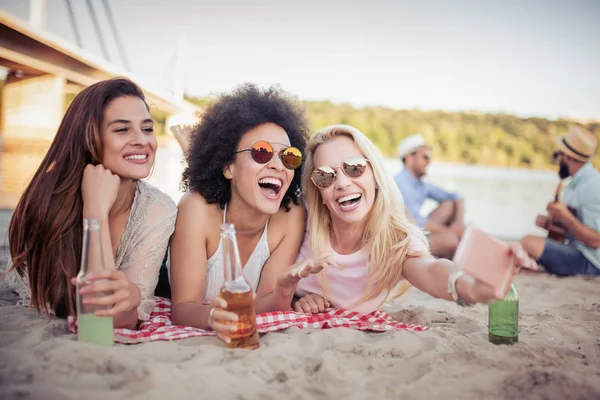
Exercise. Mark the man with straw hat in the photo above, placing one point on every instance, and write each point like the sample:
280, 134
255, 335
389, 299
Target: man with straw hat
581, 256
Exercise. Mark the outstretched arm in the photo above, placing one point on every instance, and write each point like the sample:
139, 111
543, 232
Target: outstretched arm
431, 276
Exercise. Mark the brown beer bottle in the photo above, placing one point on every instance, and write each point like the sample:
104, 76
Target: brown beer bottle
238, 294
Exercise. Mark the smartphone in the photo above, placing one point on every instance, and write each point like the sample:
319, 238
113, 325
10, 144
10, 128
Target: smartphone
486, 258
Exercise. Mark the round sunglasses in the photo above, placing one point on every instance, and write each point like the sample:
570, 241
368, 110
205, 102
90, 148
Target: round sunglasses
353, 167
262, 153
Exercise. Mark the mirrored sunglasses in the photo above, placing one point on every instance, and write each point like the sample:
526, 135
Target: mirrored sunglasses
262, 153
352, 167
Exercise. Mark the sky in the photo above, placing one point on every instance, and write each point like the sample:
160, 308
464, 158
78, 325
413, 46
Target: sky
530, 58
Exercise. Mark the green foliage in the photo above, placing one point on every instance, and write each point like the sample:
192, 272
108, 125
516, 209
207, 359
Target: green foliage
483, 139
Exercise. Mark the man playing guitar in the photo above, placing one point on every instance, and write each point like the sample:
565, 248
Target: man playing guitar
573, 243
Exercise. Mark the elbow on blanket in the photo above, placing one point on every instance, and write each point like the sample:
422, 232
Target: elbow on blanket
125, 323
176, 318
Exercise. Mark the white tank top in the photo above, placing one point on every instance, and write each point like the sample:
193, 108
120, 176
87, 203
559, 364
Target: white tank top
214, 266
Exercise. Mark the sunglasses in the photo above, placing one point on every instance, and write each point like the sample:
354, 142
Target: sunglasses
262, 153
353, 167
426, 156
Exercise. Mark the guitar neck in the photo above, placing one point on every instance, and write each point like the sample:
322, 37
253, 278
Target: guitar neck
558, 191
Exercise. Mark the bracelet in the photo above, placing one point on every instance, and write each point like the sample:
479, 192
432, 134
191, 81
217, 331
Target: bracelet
452, 279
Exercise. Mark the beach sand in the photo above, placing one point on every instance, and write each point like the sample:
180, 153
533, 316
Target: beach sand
557, 357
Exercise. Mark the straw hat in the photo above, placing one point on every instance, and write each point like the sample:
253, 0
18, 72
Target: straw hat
578, 144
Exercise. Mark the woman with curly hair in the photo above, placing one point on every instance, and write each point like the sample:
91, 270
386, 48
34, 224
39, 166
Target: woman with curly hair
244, 168
104, 147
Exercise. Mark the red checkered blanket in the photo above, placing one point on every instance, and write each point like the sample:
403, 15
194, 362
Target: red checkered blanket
159, 326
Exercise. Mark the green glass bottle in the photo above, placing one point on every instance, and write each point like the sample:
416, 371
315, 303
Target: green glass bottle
90, 327
503, 322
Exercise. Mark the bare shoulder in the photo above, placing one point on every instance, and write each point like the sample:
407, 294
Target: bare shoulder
197, 222
194, 206
292, 221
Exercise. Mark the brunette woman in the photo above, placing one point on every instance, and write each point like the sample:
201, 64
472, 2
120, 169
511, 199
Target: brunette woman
104, 147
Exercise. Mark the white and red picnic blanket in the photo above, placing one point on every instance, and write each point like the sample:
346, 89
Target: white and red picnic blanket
159, 326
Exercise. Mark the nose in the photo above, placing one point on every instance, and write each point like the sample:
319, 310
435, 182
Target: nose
341, 180
275, 163
139, 137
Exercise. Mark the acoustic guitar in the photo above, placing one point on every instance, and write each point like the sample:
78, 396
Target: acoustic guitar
555, 230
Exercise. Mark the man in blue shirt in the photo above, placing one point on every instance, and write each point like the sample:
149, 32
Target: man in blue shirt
580, 253
445, 223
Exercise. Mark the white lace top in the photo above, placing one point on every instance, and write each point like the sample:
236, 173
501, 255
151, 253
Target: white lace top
142, 248
252, 270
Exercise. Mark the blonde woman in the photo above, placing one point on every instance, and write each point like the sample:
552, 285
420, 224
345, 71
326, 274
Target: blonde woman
356, 214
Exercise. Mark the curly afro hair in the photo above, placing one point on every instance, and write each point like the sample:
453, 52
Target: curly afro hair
215, 139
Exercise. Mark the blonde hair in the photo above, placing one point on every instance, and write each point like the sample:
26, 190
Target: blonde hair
388, 231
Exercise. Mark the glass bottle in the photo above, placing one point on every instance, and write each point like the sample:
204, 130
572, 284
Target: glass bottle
238, 293
503, 323
90, 327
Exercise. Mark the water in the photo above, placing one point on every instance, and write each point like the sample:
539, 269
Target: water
501, 201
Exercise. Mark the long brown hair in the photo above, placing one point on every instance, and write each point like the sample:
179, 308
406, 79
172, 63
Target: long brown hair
45, 232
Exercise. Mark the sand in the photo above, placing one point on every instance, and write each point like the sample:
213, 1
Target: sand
557, 357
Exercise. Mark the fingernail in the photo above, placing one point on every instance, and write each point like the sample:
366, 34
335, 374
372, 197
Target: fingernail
91, 276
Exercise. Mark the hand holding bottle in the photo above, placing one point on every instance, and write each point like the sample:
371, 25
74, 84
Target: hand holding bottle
220, 320
111, 289
99, 189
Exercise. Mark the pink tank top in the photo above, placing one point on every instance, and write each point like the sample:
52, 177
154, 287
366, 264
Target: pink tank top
347, 285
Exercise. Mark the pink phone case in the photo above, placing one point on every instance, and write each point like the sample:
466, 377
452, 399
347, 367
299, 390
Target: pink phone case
486, 258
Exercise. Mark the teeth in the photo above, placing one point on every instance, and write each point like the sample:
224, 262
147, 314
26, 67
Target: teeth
271, 181
137, 157
349, 197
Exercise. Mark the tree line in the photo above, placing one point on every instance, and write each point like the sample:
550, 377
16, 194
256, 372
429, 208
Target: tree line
463, 137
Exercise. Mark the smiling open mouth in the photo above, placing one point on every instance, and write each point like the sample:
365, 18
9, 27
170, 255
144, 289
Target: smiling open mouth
136, 157
349, 200
270, 186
